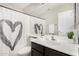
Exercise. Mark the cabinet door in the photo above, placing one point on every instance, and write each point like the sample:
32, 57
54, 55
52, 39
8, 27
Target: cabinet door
35, 53
37, 47
52, 52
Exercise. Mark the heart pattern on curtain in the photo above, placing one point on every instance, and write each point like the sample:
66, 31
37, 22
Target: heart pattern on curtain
12, 26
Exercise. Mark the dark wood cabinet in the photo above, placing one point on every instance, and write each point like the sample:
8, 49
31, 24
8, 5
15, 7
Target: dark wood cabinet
36, 53
39, 50
52, 52
37, 47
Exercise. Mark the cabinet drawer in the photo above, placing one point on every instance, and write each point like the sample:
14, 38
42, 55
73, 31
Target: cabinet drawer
37, 47
52, 52
35, 53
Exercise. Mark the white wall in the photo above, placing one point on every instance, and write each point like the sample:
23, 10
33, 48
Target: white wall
77, 16
77, 21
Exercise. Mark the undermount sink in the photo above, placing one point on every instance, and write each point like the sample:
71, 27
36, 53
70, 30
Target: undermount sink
60, 39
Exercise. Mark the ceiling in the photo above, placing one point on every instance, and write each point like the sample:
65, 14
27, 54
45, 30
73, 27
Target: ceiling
42, 10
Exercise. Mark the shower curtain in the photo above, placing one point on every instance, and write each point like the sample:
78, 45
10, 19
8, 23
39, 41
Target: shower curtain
13, 31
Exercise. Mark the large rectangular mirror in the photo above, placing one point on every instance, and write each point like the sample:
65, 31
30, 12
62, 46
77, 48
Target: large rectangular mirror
63, 19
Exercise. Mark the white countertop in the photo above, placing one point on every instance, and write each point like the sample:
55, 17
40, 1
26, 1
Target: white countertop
71, 49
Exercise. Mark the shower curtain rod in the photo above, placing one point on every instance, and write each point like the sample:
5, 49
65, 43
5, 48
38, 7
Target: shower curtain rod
20, 12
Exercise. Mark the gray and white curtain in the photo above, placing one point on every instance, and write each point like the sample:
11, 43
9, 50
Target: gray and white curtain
13, 30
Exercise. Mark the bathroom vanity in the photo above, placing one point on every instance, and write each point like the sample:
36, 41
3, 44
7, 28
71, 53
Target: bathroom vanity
40, 50
42, 47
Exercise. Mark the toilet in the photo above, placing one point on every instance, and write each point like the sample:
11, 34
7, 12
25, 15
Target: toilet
26, 51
